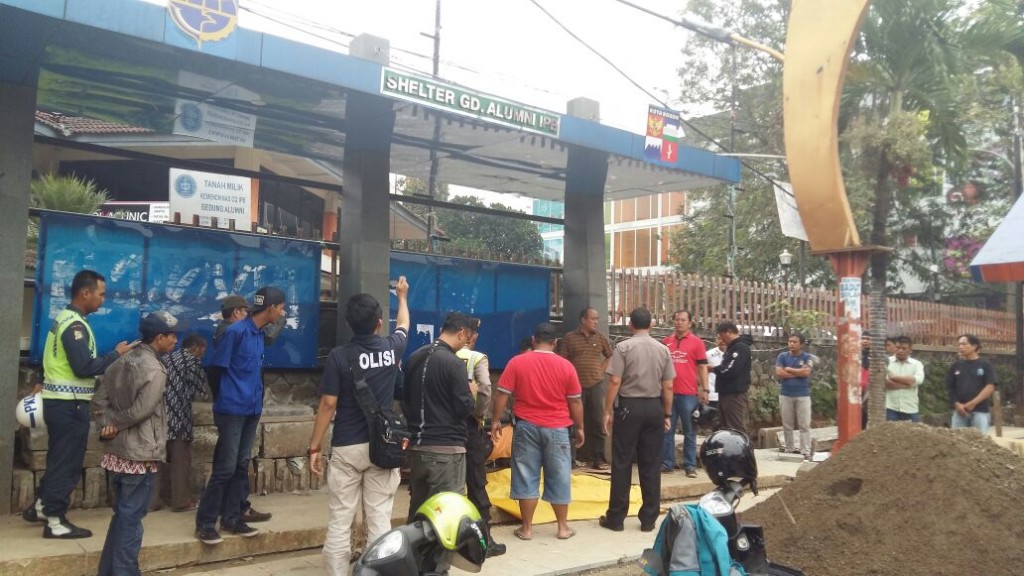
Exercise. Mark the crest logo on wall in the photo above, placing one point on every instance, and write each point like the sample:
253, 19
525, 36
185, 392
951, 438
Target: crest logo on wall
204, 20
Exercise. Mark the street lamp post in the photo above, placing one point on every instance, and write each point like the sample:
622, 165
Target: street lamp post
786, 260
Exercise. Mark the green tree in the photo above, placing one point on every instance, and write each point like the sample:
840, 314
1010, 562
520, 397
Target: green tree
472, 232
904, 117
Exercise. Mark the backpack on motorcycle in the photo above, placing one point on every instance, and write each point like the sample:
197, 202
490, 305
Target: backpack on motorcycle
389, 436
690, 542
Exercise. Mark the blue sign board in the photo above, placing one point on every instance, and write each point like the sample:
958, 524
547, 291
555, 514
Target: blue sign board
509, 299
185, 271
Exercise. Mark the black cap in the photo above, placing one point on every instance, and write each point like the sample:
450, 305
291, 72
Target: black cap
545, 332
265, 298
160, 322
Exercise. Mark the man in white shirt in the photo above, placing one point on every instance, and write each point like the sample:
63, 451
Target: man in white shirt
715, 354
903, 376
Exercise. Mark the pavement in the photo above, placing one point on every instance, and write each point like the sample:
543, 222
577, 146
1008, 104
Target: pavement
299, 523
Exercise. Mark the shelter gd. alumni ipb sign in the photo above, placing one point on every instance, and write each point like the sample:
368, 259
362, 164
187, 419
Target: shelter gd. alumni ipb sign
451, 98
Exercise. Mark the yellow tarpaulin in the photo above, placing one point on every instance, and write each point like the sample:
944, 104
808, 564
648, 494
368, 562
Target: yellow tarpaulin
589, 497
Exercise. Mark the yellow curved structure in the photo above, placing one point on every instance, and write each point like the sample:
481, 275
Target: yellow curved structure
818, 41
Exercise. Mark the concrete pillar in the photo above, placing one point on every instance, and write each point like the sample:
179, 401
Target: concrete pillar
17, 116
364, 231
584, 274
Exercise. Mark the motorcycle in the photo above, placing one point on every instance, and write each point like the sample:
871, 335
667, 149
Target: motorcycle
446, 531
746, 541
728, 458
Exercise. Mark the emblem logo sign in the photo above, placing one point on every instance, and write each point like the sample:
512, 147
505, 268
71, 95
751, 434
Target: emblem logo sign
205, 20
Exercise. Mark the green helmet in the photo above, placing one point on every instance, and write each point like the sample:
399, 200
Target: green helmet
457, 524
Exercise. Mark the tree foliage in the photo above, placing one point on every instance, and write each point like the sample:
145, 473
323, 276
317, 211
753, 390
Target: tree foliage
470, 232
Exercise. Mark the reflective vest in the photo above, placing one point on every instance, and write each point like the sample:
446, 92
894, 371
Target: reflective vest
59, 380
471, 359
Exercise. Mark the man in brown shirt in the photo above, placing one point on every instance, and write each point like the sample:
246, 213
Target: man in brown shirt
588, 350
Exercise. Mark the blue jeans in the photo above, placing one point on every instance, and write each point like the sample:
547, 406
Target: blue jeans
896, 416
683, 406
535, 448
978, 420
228, 486
120, 555
67, 425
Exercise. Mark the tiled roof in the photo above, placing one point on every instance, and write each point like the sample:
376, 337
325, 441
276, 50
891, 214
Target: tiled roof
71, 125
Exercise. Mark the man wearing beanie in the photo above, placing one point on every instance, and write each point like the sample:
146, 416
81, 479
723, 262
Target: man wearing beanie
132, 419
238, 358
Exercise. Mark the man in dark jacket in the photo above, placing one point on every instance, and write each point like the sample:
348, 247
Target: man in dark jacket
732, 377
438, 398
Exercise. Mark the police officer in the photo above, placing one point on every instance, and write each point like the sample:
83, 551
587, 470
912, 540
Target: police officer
478, 448
70, 365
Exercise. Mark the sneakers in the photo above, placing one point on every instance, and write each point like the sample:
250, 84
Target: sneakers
241, 529
34, 513
251, 515
208, 535
691, 472
600, 466
62, 529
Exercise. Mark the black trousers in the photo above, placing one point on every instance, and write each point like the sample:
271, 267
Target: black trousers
592, 450
67, 425
477, 450
638, 434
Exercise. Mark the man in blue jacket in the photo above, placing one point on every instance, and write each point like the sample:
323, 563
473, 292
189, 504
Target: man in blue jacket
238, 358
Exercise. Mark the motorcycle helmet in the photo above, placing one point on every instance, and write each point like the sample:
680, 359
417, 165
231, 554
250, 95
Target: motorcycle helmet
728, 455
458, 526
29, 411
704, 415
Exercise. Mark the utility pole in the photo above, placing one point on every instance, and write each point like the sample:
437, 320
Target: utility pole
432, 180
731, 210
1018, 289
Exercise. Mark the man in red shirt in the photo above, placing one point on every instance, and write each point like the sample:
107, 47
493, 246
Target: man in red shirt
547, 401
689, 386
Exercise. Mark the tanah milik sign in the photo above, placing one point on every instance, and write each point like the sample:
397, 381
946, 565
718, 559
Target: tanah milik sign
448, 97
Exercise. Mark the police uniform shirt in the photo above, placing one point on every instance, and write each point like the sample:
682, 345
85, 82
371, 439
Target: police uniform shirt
643, 363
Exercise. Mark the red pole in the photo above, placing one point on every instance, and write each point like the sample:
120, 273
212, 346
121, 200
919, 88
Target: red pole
849, 267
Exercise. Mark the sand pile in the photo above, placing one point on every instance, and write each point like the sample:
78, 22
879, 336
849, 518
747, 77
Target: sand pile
903, 499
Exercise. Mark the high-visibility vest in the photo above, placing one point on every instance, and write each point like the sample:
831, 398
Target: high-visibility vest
59, 381
471, 358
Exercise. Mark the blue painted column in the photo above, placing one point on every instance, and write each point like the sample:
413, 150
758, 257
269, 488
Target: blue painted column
364, 231
584, 274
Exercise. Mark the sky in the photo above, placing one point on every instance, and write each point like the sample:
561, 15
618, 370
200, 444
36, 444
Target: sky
509, 48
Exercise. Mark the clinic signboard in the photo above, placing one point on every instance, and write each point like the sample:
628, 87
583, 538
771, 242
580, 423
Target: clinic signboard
456, 99
208, 195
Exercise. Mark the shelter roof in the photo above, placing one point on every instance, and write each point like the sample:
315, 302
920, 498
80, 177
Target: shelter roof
127, 63
1001, 259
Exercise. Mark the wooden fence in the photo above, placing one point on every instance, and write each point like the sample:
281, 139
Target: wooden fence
758, 308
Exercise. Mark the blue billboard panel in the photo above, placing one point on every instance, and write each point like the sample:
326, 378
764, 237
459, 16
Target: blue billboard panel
185, 271
509, 299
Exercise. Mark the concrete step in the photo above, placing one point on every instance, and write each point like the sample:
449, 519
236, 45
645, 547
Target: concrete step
299, 523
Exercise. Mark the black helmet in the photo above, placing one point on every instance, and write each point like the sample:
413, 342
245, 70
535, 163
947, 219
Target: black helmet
728, 455
704, 415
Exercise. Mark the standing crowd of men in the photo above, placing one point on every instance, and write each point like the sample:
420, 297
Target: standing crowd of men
567, 396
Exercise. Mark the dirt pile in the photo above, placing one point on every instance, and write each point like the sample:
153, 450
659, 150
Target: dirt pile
903, 499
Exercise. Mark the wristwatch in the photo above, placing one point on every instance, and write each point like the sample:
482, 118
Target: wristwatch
311, 451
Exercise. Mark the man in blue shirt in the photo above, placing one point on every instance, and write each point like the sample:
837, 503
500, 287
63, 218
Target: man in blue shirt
354, 482
238, 360
793, 368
